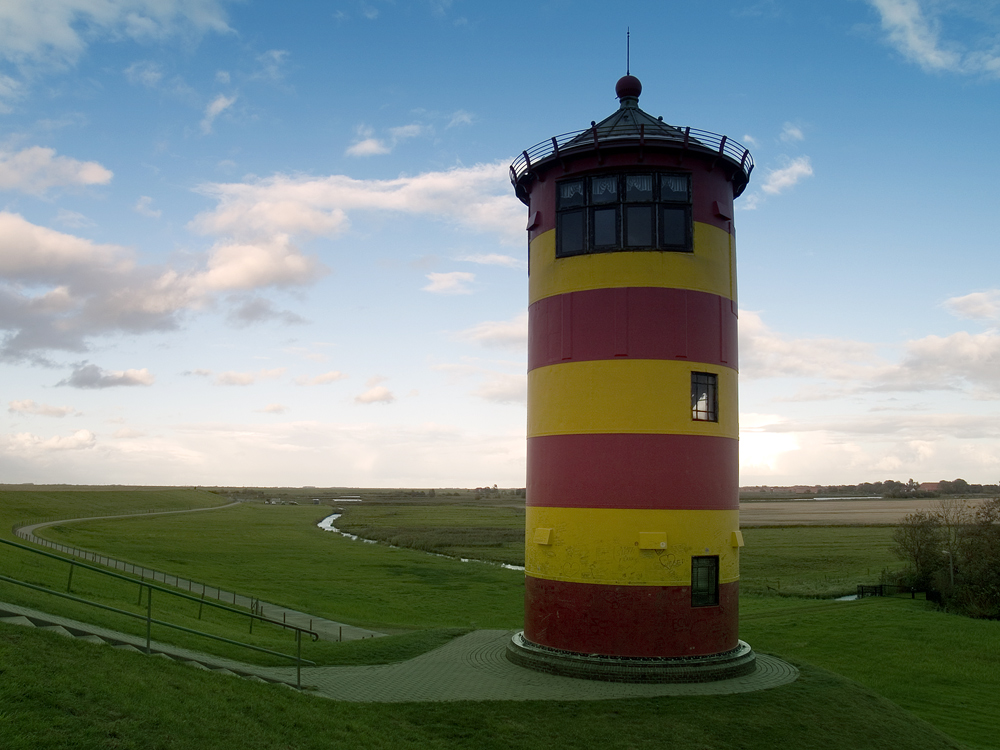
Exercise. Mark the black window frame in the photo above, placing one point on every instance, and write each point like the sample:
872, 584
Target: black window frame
658, 201
705, 581
706, 383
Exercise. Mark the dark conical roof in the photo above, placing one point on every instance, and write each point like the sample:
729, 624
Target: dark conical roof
629, 121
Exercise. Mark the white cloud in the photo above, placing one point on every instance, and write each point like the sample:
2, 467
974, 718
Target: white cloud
506, 334
914, 30
454, 282
504, 388
25, 442
73, 219
791, 132
477, 198
273, 409
89, 289
42, 410
493, 259
976, 306
248, 378
368, 145
461, 117
377, 395
252, 310
327, 377
270, 66
779, 180
749, 140
222, 76
93, 377
36, 169
144, 72
951, 362
215, 108
767, 354
10, 90
144, 206
58, 31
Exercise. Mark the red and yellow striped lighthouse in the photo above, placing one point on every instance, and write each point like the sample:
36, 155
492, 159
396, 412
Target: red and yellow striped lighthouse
632, 528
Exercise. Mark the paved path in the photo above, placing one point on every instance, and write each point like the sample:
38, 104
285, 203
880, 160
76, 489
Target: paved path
472, 667
328, 630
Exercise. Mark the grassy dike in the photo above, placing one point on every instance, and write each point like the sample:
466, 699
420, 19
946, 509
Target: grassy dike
944, 669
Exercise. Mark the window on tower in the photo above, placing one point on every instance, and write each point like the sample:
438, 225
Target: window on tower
608, 213
704, 397
705, 581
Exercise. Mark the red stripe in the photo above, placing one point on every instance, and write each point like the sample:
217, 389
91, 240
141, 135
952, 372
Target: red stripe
632, 323
629, 620
671, 472
708, 188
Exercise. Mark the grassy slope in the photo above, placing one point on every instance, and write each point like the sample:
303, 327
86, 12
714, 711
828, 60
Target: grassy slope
58, 694
898, 648
944, 668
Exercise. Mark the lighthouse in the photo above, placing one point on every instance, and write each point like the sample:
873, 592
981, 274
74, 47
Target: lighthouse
632, 536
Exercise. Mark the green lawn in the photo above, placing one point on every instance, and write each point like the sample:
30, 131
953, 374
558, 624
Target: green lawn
944, 669
57, 694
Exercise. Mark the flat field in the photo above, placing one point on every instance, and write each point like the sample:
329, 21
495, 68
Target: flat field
943, 668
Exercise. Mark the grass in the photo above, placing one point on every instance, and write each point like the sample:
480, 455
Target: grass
59, 694
482, 533
814, 561
943, 668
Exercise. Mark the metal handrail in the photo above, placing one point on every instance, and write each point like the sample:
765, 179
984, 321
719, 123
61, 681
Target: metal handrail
150, 587
687, 138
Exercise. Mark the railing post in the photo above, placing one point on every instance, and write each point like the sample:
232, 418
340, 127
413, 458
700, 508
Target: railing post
298, 659
69, 583
149, 615
201, 604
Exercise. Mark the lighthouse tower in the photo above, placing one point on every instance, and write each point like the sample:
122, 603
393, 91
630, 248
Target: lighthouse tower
632, 529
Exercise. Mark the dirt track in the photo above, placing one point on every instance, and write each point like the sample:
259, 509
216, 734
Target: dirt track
832, 512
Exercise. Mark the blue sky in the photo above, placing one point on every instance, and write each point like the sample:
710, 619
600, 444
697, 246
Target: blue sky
275, 244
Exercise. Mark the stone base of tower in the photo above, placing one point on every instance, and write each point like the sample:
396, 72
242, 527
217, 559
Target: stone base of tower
738, 662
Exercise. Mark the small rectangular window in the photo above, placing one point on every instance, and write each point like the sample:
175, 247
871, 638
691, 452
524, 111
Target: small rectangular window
604, 189
639, 226
674, 227
705, 581
638, 188
605, 227
704, 397
675, 187
571, 194
571, 231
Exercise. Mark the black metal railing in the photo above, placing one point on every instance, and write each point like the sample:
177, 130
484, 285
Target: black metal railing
148, 588
686, 138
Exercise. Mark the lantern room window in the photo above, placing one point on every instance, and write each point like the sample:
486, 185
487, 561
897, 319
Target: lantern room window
607, 213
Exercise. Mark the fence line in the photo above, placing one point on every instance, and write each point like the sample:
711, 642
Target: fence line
252, 602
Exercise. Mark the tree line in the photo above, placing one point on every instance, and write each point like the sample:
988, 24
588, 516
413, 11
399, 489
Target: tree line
954, 550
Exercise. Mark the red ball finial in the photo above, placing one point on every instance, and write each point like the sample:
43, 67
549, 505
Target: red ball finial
628, 86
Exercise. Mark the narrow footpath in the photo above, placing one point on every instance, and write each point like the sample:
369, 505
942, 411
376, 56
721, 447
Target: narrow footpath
472, 667
328, 630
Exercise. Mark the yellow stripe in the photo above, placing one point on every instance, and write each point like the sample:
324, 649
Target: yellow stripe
601, 545
646, 396
710, 268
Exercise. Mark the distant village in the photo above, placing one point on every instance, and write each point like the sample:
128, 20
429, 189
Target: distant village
888, 488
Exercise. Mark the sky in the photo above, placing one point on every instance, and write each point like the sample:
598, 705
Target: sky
262, 243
